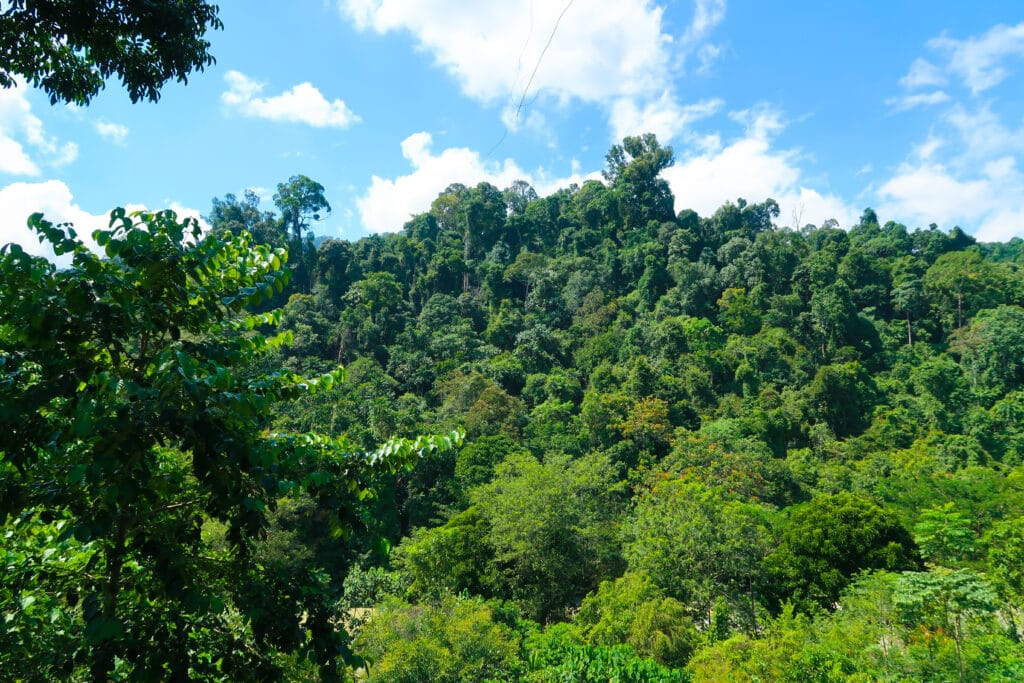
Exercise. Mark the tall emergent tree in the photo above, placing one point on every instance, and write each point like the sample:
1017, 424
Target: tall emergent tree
137, 469
300, 200
70, 49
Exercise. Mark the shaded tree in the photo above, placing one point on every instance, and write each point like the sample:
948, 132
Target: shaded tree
831, 538
71, 49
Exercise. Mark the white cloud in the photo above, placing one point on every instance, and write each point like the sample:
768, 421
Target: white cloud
1002, 226
610, 50
603, 52
923, 74
927, 192
927, 99
22, 135
53, 198
707, 55
968, 175
706, 175
967, 170
115, 132
979, 61
988, 203
303, 103
389, 203
927, 149
761, 122
664, 117
13, 158
982, 135
751, 168
707, 15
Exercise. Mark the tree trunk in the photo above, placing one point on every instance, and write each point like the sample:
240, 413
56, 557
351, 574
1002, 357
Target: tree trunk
103, 655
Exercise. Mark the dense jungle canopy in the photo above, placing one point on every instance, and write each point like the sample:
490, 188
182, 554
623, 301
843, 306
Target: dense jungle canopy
668, 447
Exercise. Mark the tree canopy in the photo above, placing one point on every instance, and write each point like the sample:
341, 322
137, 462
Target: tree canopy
138, 444
71, 49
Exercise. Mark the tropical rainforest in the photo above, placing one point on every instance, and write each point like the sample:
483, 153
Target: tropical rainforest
573, 438
692, 448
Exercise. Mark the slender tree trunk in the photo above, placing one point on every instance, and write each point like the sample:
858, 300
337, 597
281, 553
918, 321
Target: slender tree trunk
959, 654
103, 656
467, 252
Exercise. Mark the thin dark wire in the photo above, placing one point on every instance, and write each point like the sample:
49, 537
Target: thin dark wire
540, 57
533, 74
526, 44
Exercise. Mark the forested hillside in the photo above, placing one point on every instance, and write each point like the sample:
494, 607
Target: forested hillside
697, 447
574, 438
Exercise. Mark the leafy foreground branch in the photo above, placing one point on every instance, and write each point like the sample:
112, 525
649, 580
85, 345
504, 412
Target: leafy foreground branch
137, 471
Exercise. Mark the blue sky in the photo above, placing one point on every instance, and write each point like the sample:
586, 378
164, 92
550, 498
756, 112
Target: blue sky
913, 108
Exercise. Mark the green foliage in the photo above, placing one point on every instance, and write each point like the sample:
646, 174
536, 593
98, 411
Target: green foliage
130, 414
842, 397
71, 51
300, 200
991, 348
476, 462
554, 658
550, 526
634, 611
645, 391
944, 601
960, 283
39, 624
944, 535
871, 638
715, 369
453, 558
633, 171
455, 640
1005, 542
698, 543
830, 539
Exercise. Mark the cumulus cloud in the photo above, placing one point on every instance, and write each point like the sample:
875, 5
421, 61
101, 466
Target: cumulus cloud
982, 135
390, 202
54, 199
303, 103
23, 137
752, 168
490, 47
14, 159
970, 177
988, 204
115, 132
611, 53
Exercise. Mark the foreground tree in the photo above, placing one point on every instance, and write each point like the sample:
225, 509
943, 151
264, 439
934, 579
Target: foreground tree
135, 427
70, 49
